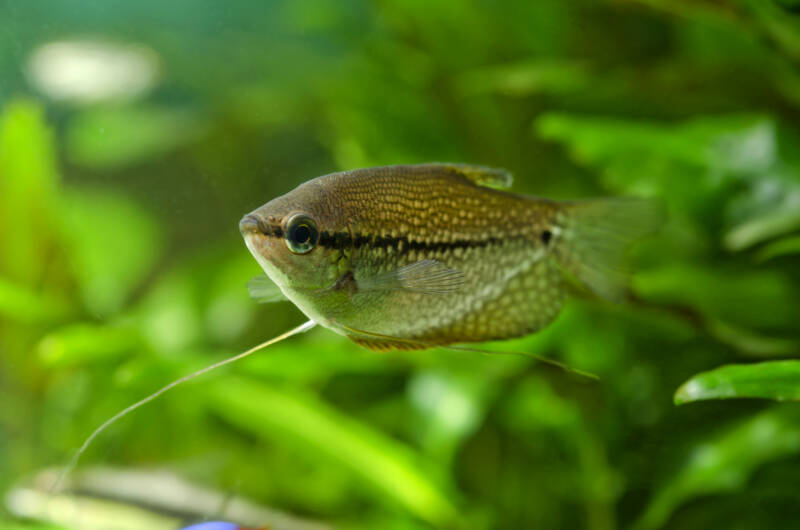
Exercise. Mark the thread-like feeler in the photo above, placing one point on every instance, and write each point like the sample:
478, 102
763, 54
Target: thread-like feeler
74, 460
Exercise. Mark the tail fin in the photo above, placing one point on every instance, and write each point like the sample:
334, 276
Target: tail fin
592, 238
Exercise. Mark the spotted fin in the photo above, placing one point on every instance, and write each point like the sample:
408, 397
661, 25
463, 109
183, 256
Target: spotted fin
426, 276
264, 291
383, 343
481, 175
379, 342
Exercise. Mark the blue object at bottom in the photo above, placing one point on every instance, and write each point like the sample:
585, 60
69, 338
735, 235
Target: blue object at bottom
213, 525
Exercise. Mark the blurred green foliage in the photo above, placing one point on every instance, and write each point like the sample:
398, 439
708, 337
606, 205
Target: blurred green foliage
121, 268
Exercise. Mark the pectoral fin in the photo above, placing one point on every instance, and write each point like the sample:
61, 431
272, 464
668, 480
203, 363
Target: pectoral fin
427, 276
264, 291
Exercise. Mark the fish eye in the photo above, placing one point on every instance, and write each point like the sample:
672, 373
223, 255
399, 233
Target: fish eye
301, 233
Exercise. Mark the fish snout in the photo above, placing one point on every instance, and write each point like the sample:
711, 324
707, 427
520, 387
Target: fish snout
250, 224
253, 224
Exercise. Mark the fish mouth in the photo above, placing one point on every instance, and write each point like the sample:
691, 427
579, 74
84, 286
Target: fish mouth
249, 224
252, 224
263, 240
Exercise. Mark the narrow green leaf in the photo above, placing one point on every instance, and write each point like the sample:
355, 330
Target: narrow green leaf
7, 524
781, 247
28, 183
781, 27
735, 297
708, 142
778, 380
23, 304
112, 243
389, 467
752, 343
724, 462
524, 79
788, 4
782, 219
81, 343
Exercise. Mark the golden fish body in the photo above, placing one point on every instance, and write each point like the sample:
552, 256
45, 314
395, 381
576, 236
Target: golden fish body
413, 256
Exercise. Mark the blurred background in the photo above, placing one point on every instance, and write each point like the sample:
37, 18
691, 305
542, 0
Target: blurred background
134, 135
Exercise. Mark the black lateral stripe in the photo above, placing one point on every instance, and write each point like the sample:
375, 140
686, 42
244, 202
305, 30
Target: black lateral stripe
337, 241
343, 240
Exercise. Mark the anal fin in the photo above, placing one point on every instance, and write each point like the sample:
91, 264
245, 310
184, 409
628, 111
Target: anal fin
386, 345
383, 343
380, 342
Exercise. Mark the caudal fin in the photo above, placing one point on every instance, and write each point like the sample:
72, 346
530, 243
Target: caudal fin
593, 236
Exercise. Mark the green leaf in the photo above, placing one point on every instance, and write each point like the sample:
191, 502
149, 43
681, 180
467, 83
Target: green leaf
778, 380
81, 343
707, 142
724, 462
752, 343
388, 467
788, 4
7, 524
783, 28
28, 184
782, 247
450, 408
23, 304
524, 79
735, 297
112, 243
777, 218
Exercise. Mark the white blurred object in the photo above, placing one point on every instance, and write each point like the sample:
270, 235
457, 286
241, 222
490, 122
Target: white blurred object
87, 71
85, 513
103, 498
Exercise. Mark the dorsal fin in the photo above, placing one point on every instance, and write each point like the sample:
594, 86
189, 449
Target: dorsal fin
481, 175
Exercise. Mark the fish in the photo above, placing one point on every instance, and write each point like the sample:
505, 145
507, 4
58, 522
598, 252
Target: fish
417, 256
410, 257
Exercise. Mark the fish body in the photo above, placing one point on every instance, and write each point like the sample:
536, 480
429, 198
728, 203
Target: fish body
421, 255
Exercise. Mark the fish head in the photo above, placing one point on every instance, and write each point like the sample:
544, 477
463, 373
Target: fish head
285, 236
